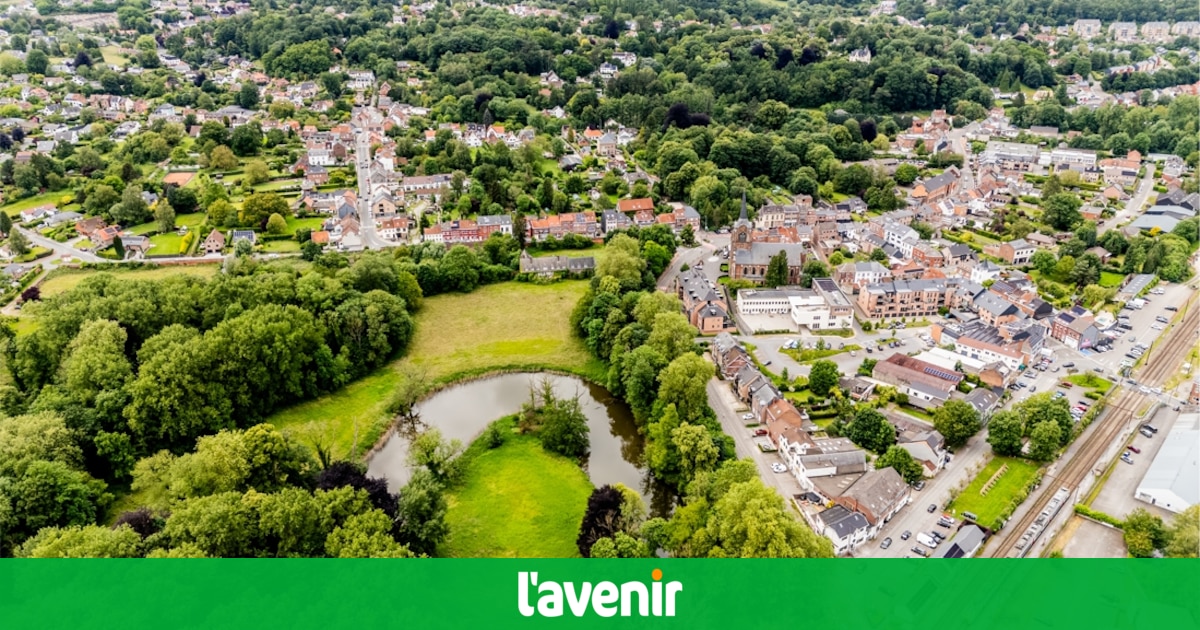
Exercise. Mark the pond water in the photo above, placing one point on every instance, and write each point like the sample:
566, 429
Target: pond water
463, 411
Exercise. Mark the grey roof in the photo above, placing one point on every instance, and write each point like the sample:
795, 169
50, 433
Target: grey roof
995, 304
844, 462
982, 399
870, 266
933, 391
761, 253
964, 544
696, 284
879, 490
1163, 222
550, 264
1176, 467
1020, 243
494, 219
945, 179
843, 522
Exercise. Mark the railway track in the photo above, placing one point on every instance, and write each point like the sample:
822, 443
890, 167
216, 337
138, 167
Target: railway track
1158, 368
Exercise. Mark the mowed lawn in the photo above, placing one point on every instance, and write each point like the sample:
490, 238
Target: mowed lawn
594, 252
508, 325
988, 508
517, 501
499, 325
1109, 279
66, 279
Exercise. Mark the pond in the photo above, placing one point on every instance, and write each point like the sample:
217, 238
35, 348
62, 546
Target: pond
463, 411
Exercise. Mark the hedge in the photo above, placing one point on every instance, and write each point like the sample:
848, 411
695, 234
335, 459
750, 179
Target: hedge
1097, 515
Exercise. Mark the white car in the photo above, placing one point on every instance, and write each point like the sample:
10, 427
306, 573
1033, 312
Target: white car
779, 468
747, 416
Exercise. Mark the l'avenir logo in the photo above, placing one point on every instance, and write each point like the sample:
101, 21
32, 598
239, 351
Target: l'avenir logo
606, 599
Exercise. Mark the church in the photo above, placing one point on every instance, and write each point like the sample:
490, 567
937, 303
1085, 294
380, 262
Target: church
750, 252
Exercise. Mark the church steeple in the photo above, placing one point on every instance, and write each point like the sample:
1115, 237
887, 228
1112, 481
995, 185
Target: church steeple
742, 218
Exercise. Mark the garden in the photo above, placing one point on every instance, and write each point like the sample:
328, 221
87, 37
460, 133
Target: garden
993, 495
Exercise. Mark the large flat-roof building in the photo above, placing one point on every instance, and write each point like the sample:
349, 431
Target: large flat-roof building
1173, 480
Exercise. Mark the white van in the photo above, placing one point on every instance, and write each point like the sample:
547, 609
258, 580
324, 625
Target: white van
927, 540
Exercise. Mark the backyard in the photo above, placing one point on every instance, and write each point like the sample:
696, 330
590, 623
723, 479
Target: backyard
996, 503
457, 335
516, 501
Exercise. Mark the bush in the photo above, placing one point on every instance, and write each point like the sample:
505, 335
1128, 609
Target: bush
494, 435
1097, 515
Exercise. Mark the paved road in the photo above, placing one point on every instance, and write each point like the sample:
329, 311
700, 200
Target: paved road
915, 516
371, 239
1133, 207
729, 409
59, 249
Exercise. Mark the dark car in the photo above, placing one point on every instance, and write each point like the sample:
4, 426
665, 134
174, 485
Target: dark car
920, 485
920, 552
1134, 448
932, 508
938, 535
887, 542
905, 535
1150, 427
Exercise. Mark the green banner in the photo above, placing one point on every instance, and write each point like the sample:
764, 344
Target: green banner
841, 594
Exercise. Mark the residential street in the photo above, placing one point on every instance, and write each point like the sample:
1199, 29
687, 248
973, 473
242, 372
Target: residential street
725, 404
1133, 207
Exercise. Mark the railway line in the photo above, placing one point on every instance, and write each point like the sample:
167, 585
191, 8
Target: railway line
1170, 353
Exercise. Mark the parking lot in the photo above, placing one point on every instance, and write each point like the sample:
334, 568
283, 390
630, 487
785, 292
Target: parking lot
1116, 498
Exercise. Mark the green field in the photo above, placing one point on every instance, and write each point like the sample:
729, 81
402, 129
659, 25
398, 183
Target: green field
281, 246
166, 244
312, 223
988, 508
191, 221
66, 279
594, 252
1087, 379
806, 355
51, 198
517, 501
113, 56
1109, 279
511, 325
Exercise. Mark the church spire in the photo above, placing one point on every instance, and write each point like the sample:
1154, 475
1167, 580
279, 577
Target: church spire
742, 217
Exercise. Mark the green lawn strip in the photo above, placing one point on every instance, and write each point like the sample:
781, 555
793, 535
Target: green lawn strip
1087, 379
990, 507
516, 501
805, 355
281, 246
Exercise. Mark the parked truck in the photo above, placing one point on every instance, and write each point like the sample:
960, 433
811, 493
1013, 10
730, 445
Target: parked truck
927, 540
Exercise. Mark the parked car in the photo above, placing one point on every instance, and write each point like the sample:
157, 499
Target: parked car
759, 432
939, 536
920, 485
1069, 364
1134, 448
1150, 427
779, 468
1172, 308
1126, 458
887, 542
920, 552
1066, 384
932, 508
905, 535
747, 416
